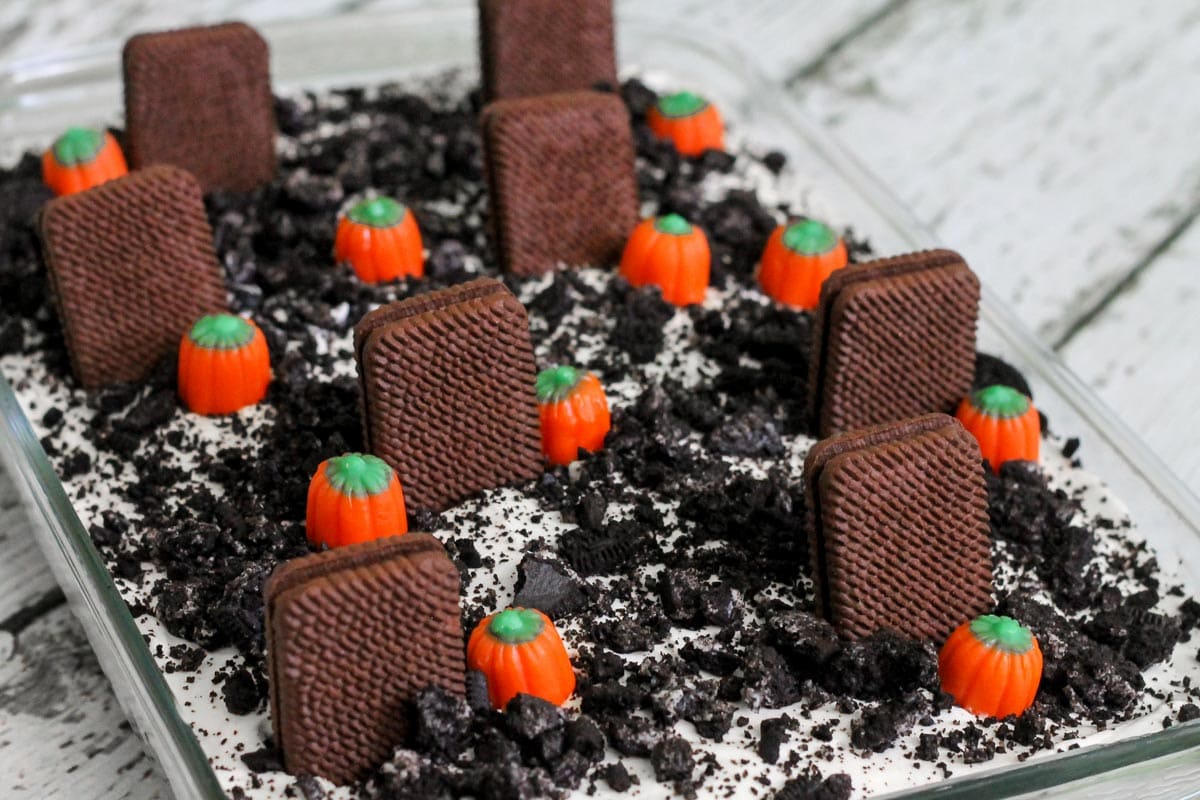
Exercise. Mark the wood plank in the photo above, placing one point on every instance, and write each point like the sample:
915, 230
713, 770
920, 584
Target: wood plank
24, 573
62, 733
785, 36
1049, 142
1140, 354
38, 28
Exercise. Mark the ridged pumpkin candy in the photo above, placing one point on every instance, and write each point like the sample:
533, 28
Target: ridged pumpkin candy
1004, 422
80, 159
991, 666
380, 239
670, 253
573, 411
224, 365
520, 652
688, 120
354, 498
796, 261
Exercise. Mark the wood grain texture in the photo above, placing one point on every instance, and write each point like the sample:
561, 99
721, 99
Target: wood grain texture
1051, 144
24, 573
786, 37
38, 28
62, 733
1142, 355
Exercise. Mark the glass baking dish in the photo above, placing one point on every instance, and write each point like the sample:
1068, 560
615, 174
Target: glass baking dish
39, 98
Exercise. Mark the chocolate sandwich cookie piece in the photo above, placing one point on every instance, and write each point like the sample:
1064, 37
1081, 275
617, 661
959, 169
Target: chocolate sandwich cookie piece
200, 98
532, 47
409, 307
892, 339
448, 392
131, 266
353, 634
898, 528
560, 180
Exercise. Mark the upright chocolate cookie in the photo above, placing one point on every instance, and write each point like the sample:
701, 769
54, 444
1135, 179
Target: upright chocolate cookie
131, 266
532, 47
898, 528
560, 180
353, 634
200, 98
892, 339
447, 389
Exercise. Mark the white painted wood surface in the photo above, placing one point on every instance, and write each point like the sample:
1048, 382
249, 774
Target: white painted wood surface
1053, 144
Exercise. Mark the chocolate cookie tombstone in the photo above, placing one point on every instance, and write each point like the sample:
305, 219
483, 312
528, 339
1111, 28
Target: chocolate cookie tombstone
532, 47
898, 528
353, 634
892, 339
447, 387
131, 266
200, 98
560, 180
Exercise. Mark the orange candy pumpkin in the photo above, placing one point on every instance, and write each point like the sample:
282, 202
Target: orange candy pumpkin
991, 666
354, 498
224, 365
380, 239
80, 159
573, 411
797, 260
688, 120
520, 652
670, 253
1004, 422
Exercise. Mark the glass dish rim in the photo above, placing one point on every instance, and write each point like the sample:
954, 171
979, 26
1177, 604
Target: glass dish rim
95, 598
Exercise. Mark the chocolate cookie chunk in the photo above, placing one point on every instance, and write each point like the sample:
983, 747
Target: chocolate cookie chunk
560, 180
898, 528
131, 266
200, 98
353, 634
447, 392
532, 47
892, 339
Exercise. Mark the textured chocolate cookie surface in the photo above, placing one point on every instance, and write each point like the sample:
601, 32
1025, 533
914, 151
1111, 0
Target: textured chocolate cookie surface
131, 266
892, 339
532, 47
560, 180
353, 634
898, 528
200, 98
447, 385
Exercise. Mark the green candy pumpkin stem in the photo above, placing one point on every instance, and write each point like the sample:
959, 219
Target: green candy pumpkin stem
378, 212
673, 224
1002, 633
1000, 401
809, 237
358, 474
516, 626
221, 332
78, 146
681, 104
556, 384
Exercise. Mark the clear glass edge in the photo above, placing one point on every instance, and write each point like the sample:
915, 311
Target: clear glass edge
110, 628
122, 652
